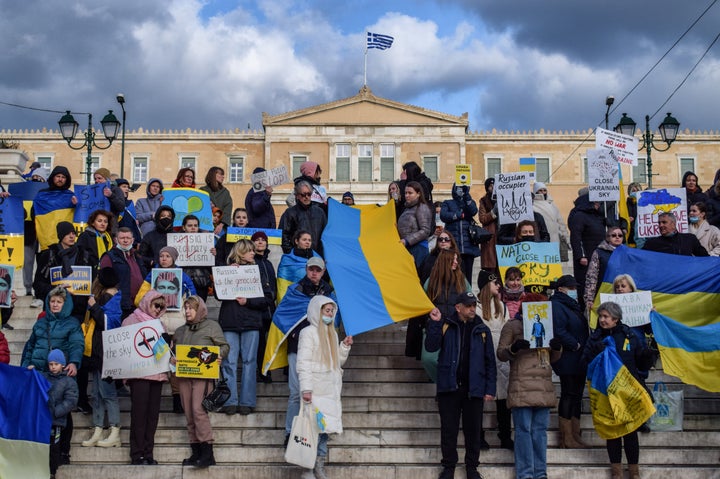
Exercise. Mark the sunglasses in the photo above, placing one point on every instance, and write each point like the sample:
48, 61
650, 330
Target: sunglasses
443, 240
615, 235
304, 195
157, 306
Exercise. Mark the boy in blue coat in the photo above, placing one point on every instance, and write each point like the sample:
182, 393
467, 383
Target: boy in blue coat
62, 398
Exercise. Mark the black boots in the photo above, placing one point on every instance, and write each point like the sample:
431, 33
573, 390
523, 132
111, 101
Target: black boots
190, 461
177, 404
206, 455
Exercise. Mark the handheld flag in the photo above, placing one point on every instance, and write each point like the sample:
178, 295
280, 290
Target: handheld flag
160, 348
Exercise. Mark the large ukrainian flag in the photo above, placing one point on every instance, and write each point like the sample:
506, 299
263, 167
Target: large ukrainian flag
290, 270
51, 207
373, 274
25, 423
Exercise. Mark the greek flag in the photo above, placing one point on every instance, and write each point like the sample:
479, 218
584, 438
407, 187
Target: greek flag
379, 41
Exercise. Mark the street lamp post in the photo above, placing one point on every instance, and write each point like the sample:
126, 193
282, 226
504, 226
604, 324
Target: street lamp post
668, 131
69, 127
121, 99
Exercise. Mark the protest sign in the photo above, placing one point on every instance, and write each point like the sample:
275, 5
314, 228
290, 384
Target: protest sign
539, 262
514, 199
128, 351
12, 231
189, 201
237, 282
635, 307
463, 175
528, 165
537, 323
168, 282
200, 362
653, 202
193, 248
236, 233
603, 176
90, 198
80, 280
274, 177
7, 274
622, 148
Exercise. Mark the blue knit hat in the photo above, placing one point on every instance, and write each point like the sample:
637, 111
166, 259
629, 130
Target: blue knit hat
57, 356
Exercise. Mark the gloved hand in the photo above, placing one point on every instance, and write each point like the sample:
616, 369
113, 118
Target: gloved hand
108, 379
555, 344
596, 348
167, 338
519, 345
495, 211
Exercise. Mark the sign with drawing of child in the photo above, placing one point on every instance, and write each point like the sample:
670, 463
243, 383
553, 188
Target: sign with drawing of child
537, 323
168, 282
7, 273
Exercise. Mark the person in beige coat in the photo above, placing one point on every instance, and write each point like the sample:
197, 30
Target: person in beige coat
556, 228
198, 331
707, 234
531, 394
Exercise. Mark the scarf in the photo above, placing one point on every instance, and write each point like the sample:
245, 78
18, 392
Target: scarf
104, 242
67, 259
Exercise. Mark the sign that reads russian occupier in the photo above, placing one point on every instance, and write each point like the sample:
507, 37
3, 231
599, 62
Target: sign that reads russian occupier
603, 175
514, 200
624, 147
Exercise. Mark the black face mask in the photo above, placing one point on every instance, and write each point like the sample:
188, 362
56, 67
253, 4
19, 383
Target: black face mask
165, 223
527, 238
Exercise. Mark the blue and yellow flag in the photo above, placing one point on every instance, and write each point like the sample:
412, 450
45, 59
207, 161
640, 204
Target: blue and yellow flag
290, 270
689, 353
25, 423
373, 273
12, 232
160, 348
619, 403
51, 207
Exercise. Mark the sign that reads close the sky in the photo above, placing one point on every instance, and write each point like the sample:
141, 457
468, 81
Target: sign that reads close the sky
624, 148
128, 351
603, 175
514, 199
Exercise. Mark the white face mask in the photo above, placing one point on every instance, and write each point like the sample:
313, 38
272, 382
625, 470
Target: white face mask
327, 319
124, 248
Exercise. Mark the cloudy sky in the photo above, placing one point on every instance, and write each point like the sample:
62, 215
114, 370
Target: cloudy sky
218, 64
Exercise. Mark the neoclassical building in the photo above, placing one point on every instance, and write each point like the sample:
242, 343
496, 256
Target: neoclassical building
361, 143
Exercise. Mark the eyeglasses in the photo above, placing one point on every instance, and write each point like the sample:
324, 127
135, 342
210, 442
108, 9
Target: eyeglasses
157, 306
616, 235
442, 239
304, 195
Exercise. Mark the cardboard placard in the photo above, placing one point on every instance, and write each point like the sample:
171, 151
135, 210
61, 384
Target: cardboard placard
635, 307
237, 282
128, 351
193, 248
537, 323
514, 199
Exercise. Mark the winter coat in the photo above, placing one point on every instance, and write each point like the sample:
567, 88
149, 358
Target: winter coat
482, 376
570, 327
106, 309
713, 205
62, 397
54, 331
506, 233
415, 224
709, 237
260, 211
236, 318
554, 222
4, 349
298, 298
685, 244
204, 333
457, 214
596, 269
425, 183
221, 199
145, 312
88, 240
310, 218
587, 228
530, 383
154, 241
51, 258
130, 269
488, 220
324, 382
496, 323
146, 207
633, 351
267, 270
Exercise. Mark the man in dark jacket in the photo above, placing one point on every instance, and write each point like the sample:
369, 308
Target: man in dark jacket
671, 241
466, 377
305, 215
457, 214
154, 241
124, 261
258, 204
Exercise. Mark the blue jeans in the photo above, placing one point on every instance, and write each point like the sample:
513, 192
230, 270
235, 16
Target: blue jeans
244, 346
322, 449
105, 399
531, 425
293, 407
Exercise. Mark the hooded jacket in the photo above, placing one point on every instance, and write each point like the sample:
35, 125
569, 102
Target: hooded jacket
307, 172
54, 331
62, 397
324, 382
146, 207
145, 312
457, 214
203, 333
258, 204
155, 240
587, 227
57, 171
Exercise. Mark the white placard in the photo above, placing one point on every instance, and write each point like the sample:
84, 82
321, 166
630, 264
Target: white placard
652, 202
128, 351
514, 199
538, 323
240, 281
274, 177
603, 176
193, 248
635, 307
623, 148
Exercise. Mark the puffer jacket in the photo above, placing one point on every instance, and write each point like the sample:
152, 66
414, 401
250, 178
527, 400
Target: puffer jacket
203, 333
570, 327
146, 207
62, 397
415, 223
54, 331
324, 382
530, 383
496, 323
143, 313
587, 228
457, 214
482, 376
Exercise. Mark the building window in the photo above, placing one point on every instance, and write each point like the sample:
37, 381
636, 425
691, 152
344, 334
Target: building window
639, 172
45, 161
189, 161
493, 166
586, 176
430, 166
387, 162
542, 170
686, 164
94, 164
297, 161
365, 162
236, 168
342, 162
140, 169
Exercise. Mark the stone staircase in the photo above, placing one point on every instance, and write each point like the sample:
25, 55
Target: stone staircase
391, 429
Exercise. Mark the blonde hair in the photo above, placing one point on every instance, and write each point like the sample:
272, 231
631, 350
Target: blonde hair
487, 301
328, 344
241, 247
624, 277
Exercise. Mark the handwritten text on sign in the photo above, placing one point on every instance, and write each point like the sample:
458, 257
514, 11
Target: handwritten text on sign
540, 262
635, 307
128, 351
514, 200
193, 248
274, 177
622, 148
237, 282
653, 202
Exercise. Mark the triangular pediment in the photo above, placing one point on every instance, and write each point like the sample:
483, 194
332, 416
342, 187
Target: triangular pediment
364, 109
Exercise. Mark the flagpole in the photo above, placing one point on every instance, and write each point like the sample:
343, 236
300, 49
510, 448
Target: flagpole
365, 67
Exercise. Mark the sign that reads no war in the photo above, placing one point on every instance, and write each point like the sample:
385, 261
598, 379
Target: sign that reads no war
514, 199
603, 176
540, 262
622, 148
128, 351
239, 281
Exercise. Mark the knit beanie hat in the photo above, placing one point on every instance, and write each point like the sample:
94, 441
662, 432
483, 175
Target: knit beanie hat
57, 356
63, 229
539, 186
171, 251
488, 182
259, 234
108, 278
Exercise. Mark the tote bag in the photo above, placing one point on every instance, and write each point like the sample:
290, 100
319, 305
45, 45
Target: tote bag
669, 407
302, 445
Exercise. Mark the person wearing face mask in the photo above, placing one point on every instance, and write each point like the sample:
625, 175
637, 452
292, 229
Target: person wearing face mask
513, 233
155, 240
458, 213
544, 205
571, 328
125, 262
599, 261
707, 234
